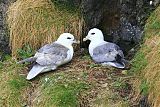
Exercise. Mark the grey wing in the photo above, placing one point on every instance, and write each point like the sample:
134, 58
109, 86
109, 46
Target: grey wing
52, 54
106, 52
48, 48
44, 48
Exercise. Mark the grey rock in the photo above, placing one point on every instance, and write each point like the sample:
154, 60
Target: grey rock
4, 38
122, 21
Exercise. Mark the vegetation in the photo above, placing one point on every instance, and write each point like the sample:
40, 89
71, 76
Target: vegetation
12, 84
146, 61
36, 23
62, 90
33, 23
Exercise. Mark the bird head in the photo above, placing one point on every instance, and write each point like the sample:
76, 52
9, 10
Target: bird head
94, 35
66, 39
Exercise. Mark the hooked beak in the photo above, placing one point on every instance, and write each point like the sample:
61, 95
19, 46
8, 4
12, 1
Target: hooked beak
76, 41
85, 39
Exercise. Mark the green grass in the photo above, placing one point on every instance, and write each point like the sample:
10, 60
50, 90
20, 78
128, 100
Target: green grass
144, 87
119, 84
26, 52
138, 63
17, 83
67, 5
1, 65
146, 61
155, 25
12, 84
62, 90
59, 90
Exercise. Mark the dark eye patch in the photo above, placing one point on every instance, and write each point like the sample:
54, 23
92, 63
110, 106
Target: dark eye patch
92, 33
69, 38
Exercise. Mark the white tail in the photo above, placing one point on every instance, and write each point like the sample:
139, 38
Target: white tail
114, 64
36, 69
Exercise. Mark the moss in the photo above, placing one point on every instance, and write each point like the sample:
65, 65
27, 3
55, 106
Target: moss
62, 90
12, 84
139, 62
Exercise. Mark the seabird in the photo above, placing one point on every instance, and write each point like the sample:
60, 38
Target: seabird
50, 56
103, 52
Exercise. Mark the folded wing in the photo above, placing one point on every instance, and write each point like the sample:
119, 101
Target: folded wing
107, 52
53, 54
48, 58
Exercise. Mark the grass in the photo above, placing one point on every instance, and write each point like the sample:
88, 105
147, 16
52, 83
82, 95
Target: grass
64, 92
138, 63
59, 90
25, 52
66, 5
12, 84
119, 84
36, 23
144, 88
147, 60
108, 98
153, 21
72, 85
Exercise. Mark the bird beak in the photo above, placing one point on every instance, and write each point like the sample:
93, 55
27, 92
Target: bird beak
85, 39
76, 41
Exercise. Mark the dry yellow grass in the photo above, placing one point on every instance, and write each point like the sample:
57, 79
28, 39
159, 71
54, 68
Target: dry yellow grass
151, 50
152, 70
37, 22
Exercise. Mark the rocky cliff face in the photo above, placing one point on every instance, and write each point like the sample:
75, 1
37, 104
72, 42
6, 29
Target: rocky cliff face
4, 39
122, 21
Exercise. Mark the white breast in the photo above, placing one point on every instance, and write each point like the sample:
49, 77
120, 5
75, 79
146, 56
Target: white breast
69, 56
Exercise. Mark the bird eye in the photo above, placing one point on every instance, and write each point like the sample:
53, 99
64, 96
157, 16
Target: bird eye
69, 38
92, 33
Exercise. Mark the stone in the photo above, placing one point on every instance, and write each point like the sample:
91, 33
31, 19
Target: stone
121, 21
4, 38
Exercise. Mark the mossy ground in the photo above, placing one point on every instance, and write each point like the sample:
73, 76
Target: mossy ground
79, 83
12, 84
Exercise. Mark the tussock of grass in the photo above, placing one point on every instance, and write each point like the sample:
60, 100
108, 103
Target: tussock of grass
12, 85
149, 75
37, 22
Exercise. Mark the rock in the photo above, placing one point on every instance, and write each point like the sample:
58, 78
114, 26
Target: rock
122, 21
4, 38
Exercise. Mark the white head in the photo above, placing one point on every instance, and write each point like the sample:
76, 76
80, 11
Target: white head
66, 39
94, 35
